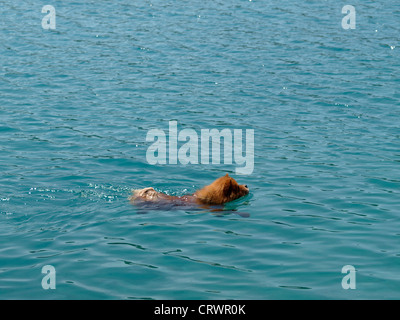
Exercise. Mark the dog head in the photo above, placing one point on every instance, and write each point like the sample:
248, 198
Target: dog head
222, 190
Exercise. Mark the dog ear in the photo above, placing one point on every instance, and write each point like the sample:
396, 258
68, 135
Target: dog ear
227, 191
227, 175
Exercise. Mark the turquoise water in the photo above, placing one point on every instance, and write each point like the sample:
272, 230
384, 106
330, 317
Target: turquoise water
77, 102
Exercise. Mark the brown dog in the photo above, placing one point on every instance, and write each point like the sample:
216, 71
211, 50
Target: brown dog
221, 191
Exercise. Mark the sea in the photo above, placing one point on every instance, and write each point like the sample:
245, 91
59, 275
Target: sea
82, 83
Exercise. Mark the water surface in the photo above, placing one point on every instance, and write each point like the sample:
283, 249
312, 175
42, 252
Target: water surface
77, 102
